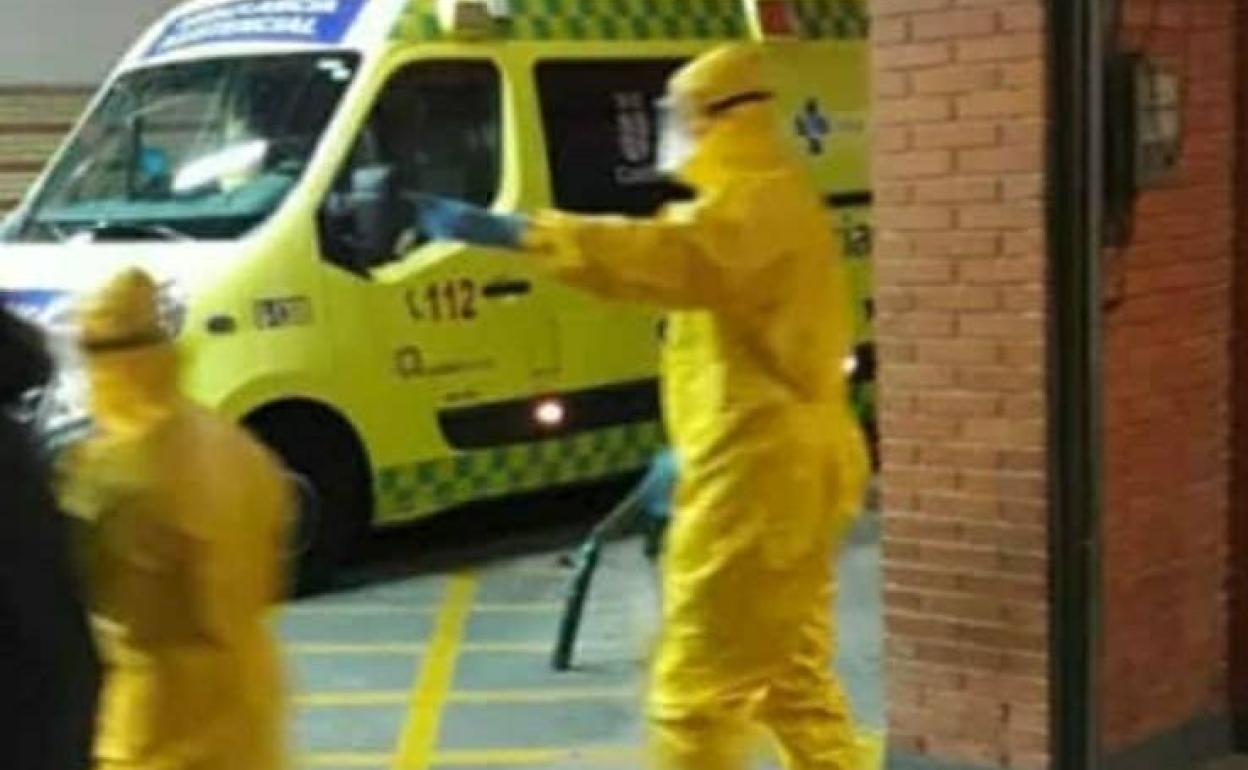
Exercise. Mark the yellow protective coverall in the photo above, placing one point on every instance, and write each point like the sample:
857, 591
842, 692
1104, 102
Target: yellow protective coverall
772, 463
189, 516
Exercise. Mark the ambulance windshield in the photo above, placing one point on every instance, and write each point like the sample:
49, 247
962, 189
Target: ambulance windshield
193, 150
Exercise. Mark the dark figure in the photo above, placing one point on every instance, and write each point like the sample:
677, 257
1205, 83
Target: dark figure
49, 673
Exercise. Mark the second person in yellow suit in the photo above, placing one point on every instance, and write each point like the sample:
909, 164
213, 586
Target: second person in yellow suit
188, 517
772, 463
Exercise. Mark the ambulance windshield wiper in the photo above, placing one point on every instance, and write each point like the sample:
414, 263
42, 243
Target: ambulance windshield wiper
108, 231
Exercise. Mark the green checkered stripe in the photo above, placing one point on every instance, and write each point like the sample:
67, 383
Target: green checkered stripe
425, 487
834, 19
627, 20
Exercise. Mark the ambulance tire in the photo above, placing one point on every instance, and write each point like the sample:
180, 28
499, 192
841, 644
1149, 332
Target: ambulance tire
330, 477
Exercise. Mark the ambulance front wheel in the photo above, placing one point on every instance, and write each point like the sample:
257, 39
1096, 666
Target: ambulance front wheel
329, 479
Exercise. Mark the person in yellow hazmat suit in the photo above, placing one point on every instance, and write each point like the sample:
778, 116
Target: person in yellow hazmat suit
188, 518
772, 462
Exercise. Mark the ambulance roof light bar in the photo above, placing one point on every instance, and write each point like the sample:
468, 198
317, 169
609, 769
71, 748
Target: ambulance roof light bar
472, 19
772, 19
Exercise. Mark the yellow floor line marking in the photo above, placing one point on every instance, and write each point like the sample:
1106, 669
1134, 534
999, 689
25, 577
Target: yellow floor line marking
588, 755
562, 572
872, 750
344, 759
543, 695
359, 609
519, 608
388, 608
344, 699
403, 648
363, 698
533, 648
364, 648
437, 672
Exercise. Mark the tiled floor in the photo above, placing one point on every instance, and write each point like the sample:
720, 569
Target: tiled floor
451, 669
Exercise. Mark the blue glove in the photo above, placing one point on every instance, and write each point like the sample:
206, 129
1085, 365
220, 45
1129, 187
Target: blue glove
451, 220
660, 482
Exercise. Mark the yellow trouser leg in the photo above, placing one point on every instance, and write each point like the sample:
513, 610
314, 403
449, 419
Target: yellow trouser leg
806, 709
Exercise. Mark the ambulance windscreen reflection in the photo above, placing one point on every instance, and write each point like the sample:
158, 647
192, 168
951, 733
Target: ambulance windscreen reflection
192, 150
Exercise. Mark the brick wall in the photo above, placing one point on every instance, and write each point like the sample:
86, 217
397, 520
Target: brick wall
1167, 385
960, 265
33, 122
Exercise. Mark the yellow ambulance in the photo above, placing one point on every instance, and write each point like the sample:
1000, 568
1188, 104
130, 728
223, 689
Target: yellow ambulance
257, 157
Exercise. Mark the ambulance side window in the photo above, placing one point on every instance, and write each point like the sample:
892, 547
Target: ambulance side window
436, 128
601, 133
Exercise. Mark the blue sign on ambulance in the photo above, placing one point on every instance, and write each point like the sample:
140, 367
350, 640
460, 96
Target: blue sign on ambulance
311, 22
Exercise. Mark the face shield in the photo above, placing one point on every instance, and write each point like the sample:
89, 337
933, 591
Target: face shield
676, 139
680, 126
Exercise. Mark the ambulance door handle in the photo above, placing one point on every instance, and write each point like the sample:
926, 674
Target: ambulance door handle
506, 288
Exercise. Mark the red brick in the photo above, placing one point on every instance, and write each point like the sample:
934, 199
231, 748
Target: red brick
1003, 272
1013, 215
917, 217
913, 165
1002, 483
893, 7
1025, 74
929, 375
962, 456
913, 109
958, 352
1024, 459
910, 575
919, 426
1005, 326
925, 325
957, 190
1033, 540
1000, 160
1030, 242
956, 298
1007, 432
890, 85
1027, 406
999, 104
957, 243
958, 404
915, 272
1023, 299
890, 244
911, 55
1024, 133
955, 135
947, 25
893, 193
1023, 17
1024, 354
959, 505
1023, 187
956, 79
1000, 379
1001, 47
890, 30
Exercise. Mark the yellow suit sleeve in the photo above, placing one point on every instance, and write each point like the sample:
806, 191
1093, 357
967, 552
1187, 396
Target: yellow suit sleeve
692, 256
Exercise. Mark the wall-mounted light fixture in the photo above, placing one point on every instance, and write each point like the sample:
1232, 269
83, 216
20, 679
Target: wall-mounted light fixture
1144, 125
